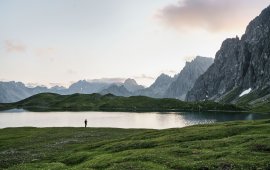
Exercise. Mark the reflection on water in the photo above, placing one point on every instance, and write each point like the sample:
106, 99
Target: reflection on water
153, 120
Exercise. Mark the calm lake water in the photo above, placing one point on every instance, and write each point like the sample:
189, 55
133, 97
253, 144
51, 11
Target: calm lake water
153, 120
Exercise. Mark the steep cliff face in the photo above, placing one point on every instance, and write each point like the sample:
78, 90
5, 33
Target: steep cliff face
187, 77
240, 64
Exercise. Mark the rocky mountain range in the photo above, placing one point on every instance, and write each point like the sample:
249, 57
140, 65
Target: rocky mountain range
239, 74
86, 87
158, 88
14, 91
178, 85
128, 88
164, 85
117, 90
187, 77
241, 69
132, 86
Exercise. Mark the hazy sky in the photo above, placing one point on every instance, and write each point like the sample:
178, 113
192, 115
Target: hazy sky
62, 41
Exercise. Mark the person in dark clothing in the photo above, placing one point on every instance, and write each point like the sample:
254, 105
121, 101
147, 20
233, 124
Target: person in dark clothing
85, 122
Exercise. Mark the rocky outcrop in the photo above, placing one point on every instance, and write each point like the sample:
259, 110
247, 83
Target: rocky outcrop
240, 64
187, 77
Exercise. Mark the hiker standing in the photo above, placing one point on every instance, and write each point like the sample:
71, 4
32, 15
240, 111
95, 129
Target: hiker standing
85, 123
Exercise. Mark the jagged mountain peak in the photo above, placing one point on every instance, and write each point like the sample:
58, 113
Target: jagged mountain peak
187, 77
130, 81
131, 85
117, 90
239, 64
158, 88
163, 75
162, 81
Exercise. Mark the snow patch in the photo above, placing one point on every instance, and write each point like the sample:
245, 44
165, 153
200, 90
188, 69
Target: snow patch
245, 92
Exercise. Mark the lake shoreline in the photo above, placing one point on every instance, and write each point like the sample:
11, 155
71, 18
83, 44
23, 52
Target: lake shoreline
146, 120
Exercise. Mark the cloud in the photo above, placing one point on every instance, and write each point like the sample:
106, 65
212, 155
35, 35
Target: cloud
45, 52
31, 85
171, 72
144, 79
56, 84
2, 79
189, 57
108, 80
211, 15
71, 72
14, 46
168, 72
143, 76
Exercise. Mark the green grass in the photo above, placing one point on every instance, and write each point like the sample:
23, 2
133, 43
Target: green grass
262, 107
259, 106
256, 94
97, 102
231, 145
230, 96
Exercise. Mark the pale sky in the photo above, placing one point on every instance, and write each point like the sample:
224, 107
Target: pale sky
61, 41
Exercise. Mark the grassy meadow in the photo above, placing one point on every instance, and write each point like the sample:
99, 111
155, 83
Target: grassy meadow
230, 145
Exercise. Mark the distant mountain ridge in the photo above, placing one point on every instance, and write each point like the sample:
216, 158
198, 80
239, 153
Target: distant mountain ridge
132, 86
15, 91
86, 87
116, 90
187, 77
128, 88
164, 85
158, 88
178, 85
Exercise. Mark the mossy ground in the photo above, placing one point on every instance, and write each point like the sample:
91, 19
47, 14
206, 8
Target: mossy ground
231, 145
97, 102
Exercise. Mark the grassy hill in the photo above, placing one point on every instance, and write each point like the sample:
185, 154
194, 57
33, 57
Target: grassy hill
97, 102
231, 145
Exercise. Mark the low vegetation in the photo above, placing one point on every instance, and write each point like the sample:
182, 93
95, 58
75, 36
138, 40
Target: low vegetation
261, 107
231, 145
109, 102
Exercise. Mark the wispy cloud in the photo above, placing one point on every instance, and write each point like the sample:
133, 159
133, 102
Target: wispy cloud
14, 46
211, 15
144, 79
71, 72
143, 76
189, 57
109, 80
56, 84
31, 85
45, 52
